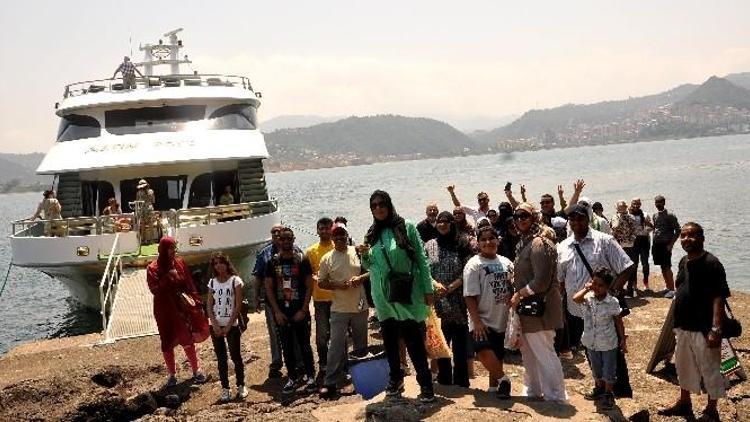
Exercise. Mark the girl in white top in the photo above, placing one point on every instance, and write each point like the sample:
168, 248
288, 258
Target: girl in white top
224, 304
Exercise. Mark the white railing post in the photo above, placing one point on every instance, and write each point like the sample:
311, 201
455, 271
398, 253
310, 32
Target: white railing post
105, 285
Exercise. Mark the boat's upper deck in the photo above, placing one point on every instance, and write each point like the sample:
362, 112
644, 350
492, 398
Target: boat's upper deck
112, 92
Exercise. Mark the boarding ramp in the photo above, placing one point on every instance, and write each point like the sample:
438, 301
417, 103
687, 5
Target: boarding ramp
132, 313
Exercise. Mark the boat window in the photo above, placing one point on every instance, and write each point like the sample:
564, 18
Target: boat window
78, 126
152, 119
200, 191
234, 116
169, 192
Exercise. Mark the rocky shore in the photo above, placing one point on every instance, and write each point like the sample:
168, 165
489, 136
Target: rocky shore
76, 379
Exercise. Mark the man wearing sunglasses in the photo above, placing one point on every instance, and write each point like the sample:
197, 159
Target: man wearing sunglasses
261, 261
483, 201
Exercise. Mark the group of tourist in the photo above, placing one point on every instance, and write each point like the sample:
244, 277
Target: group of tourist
554, 274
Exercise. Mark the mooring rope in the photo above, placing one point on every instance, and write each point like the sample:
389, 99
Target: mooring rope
7, 273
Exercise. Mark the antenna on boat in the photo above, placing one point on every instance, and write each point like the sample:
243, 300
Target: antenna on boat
161, 53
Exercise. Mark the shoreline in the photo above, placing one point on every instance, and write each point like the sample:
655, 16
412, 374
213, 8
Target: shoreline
74, 379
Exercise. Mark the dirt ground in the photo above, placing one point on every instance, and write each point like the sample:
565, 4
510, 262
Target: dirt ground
74, 379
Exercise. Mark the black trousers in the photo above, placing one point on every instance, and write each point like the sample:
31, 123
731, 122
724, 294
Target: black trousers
575, 329
413, 334
297, 333
562, 335
641, 251
220, 348
456, 373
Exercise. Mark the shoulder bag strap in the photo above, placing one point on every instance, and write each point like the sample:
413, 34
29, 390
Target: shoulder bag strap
583, 258
385, 255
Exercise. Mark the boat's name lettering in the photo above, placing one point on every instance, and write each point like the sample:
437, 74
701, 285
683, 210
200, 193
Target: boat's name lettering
180, 143
111, 147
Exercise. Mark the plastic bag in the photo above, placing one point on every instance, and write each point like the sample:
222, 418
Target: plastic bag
437, 347
513, 331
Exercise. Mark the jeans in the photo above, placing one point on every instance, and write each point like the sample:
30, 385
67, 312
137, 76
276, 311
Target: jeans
220, 348
642, 248
273, 338
458, 372
297, 334
341, 322
413, 334
322, 332
603, 364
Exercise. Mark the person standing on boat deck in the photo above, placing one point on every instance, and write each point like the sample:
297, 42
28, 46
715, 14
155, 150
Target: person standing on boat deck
48, 209
112, 208
224, 305
666, 233
534, 273
447, 255
483, 201
401, 289
144, 197
259, 298
642, 244
177, 309
427, 227
321, 297
289, 288
702, 291
487, 289
226, 198
128, 70
341, 272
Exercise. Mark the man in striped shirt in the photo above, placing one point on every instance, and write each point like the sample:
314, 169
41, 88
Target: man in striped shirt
128, 70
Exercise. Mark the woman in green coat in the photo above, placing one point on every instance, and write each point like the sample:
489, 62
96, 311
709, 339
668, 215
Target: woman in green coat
392, 244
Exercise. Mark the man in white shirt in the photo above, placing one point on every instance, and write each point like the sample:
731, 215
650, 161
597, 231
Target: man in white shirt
600, 250
483, 201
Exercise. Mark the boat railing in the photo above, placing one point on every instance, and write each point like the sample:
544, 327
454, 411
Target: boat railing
73, 226
164, 81
117, 223
205, 216
109, 281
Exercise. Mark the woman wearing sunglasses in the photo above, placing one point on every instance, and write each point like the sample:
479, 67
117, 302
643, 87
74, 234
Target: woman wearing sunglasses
401, 290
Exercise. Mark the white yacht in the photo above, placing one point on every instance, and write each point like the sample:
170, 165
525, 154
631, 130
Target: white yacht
190, 136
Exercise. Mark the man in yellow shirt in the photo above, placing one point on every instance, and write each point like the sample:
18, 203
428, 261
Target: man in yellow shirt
321, 297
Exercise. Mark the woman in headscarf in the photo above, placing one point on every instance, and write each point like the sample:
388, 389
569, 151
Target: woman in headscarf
177, 309
393, 248
447, 255
535, 274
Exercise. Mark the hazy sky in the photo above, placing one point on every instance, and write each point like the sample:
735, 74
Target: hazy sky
449, 60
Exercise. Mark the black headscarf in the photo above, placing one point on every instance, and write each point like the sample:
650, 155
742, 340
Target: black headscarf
394, 222
454, 240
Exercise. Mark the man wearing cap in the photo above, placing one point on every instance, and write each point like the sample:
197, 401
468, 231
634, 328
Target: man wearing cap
128, 70
666, 233
599, 250
483, 201
427, 228
340, 271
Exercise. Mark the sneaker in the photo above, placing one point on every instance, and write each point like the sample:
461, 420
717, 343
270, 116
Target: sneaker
394, 388
503, 389
171, 381
225, 395
291, 385
426, 395
311, 385
608, 401
241, 392
199, 377
595, 393
274, 373
669, 294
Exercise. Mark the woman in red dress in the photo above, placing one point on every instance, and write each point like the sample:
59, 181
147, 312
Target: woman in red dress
177, 309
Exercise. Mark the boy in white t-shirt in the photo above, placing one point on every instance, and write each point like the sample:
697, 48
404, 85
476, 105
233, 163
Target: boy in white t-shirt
224, 305
487, 291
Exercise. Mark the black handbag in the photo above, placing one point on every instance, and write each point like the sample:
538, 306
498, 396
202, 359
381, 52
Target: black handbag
398, 285
730, 327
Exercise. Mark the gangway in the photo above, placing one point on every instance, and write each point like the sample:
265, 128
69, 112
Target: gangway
126, 302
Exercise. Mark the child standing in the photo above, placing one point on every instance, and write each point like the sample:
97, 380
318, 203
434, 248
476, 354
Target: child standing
600, 334
224, 304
